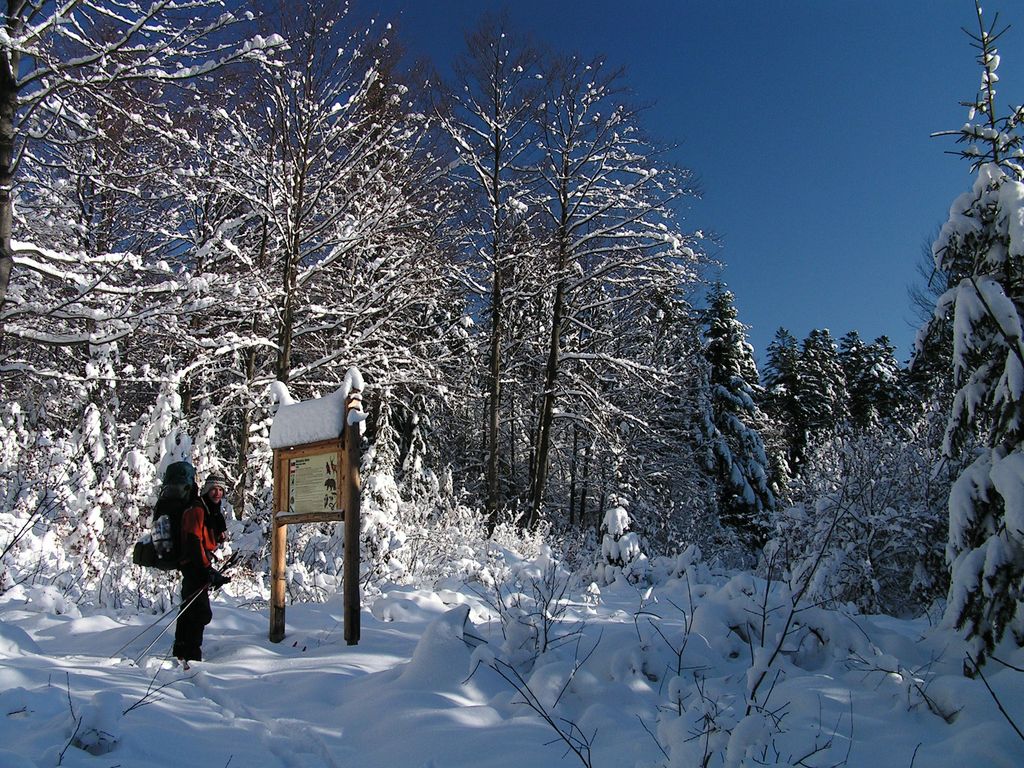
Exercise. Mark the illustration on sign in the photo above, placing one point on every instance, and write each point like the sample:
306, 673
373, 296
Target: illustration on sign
313, 483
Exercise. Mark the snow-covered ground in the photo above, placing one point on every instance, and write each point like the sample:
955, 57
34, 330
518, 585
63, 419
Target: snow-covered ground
645, 678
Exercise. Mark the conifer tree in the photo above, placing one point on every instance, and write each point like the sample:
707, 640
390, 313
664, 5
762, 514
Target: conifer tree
981, 250
620, 546
874, 380
782, 395
732, 430
821, 383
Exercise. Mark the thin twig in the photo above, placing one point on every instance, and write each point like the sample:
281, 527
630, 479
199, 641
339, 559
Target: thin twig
653, 737
576, 668
1005, 664
999, 704
914, 756
578, 744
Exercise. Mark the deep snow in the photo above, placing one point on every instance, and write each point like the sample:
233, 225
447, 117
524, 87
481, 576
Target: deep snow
422, 689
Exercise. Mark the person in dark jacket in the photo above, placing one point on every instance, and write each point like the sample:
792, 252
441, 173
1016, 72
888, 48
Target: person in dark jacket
203, 529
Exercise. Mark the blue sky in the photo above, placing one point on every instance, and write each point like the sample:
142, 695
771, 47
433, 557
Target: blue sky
807, 121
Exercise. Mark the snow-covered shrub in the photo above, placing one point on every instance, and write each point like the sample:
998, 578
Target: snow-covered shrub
99, 728
688, 564
758, 636
620, 547
381, 534
871, 523
531, 602
417, 526
37, 498
453, 543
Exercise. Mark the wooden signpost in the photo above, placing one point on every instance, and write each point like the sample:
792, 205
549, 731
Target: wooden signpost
314, 482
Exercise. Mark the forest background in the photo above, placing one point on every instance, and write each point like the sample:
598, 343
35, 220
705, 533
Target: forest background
195, 203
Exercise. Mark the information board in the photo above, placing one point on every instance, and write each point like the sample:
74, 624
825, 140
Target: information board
313, 483
318, 482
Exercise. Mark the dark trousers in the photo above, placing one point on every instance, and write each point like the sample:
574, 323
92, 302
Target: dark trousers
192, 620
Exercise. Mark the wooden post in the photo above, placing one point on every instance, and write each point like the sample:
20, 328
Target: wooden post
278, 547
350, 492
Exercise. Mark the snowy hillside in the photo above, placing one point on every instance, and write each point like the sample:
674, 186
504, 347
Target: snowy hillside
613, 677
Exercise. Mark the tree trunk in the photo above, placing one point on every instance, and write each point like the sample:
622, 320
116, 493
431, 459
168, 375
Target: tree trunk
540, 477
493, 407
243, 438
547, 408
513, 443
573, 470
9, 64
586, 485
493, 419
286, 329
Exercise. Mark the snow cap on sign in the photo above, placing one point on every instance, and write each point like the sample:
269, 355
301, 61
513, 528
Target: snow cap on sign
310, 421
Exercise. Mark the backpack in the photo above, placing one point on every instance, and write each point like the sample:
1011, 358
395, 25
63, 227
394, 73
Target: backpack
161, 548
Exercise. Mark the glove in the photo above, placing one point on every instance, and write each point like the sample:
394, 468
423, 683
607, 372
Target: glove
217, 579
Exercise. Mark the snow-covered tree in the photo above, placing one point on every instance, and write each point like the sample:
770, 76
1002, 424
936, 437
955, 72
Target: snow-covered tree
822, 384
981, 249
97, 447
875, 382
488, 117
70, 72
310, 205
733, 423
319, 173
382, 531
615, 245
621, 554
94, 100
782, 394
657, 452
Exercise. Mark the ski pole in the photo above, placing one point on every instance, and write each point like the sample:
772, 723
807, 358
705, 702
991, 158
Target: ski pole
232, 558
146, 629
170, 624
230, 562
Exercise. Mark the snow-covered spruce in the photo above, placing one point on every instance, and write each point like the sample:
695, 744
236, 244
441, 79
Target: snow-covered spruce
980, 249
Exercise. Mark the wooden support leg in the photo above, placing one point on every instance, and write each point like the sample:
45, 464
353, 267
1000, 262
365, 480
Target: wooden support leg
351, 491
278, 545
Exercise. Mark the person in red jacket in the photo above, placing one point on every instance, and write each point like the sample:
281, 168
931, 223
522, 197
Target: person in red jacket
203, 529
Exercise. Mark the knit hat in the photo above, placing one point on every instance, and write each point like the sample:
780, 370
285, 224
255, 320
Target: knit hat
214, 481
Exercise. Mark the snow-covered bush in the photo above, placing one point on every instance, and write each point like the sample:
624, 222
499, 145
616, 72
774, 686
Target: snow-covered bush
381, 534
620, 547
531, 599
35, 495
756, 635
871, 522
